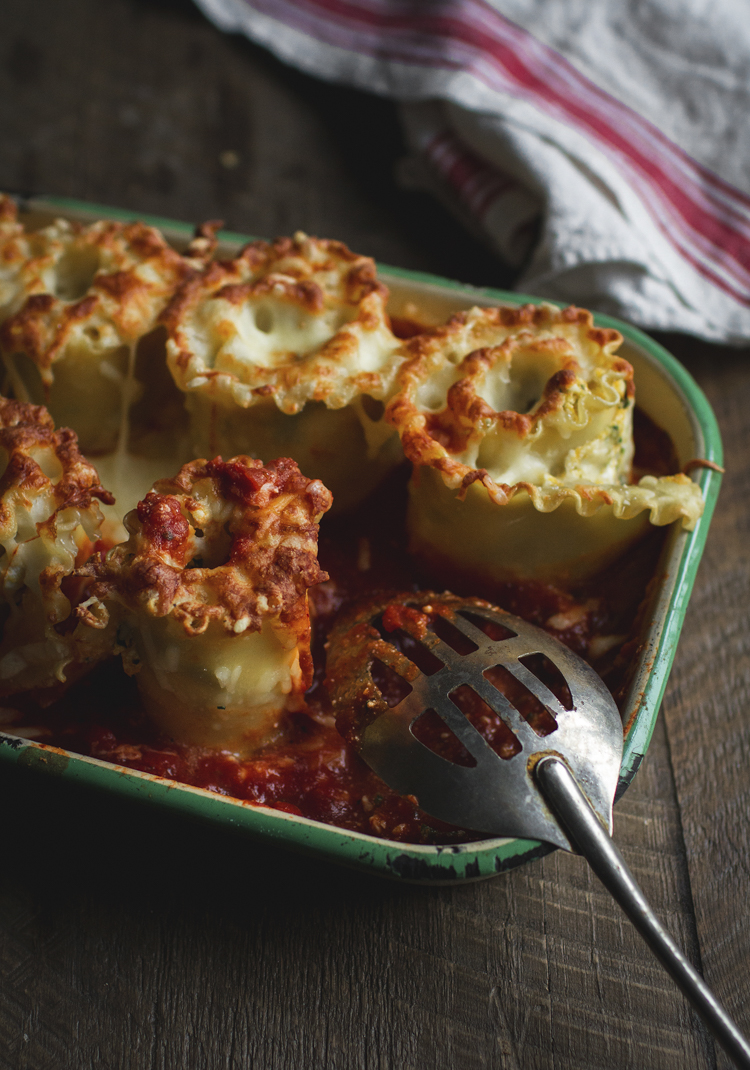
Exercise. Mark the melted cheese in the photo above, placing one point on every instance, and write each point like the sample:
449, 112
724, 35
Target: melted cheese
48, 514
276, 352
75, 313
210, 591
519, 424
131, 476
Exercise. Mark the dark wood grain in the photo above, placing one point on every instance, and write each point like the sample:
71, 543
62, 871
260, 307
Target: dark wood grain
133, 939
707, 705
136, 103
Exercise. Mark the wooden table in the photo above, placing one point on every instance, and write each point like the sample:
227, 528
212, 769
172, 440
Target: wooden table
135, 940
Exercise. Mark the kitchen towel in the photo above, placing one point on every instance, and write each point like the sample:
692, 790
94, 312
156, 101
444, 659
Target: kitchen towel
602, 148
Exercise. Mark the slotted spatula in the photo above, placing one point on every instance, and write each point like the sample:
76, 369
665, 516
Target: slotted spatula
560, 784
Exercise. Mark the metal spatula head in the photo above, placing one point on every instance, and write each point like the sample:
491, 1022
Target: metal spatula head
472, 666
496, 726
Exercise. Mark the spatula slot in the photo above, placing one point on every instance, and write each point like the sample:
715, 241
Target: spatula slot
392, 686
548, 673
486, 721
528, 705
451, 635
411, 648
491, 628
432, 732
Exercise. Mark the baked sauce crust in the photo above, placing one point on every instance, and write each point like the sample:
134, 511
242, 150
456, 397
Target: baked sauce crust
356, 644
256, 527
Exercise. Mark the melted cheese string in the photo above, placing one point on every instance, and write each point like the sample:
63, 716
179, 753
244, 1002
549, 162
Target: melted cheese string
127, 475
19, 387
127, 391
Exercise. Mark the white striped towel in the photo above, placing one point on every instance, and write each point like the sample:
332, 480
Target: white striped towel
603, 148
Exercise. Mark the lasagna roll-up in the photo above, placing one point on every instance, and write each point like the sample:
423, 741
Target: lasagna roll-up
78, 300
27, 258
519, 422
49, 520
287, 351
210, 592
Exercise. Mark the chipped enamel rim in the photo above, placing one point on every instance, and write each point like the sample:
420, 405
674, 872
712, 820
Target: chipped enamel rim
455, 863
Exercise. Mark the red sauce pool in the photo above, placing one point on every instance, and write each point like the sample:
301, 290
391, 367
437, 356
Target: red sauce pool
313, 772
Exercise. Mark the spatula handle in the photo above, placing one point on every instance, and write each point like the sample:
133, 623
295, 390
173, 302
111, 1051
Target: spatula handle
587, 832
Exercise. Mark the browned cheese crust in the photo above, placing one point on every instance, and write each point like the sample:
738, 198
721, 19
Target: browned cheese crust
25, 429
315, 276
49, 517
434, 439
231, 543
25, 257
110, 280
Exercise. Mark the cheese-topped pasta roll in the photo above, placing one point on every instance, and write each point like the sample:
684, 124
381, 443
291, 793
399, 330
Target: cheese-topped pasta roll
287, 350
212, 585
25, 258
519, 424
32, 262
49, 520
81, 303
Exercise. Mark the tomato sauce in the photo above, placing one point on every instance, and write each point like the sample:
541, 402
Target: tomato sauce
312, 771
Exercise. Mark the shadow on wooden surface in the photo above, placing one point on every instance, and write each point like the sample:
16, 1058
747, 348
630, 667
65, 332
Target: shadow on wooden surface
174, 943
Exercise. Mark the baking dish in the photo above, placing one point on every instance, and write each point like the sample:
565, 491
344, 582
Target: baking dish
665, 392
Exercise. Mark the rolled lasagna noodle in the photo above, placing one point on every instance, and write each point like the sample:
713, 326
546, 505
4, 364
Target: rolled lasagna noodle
287, 350
49, 520
519, 424
27, 259
211, 594
75, 301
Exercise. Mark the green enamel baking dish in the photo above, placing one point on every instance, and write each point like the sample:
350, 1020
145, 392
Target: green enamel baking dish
668, 395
